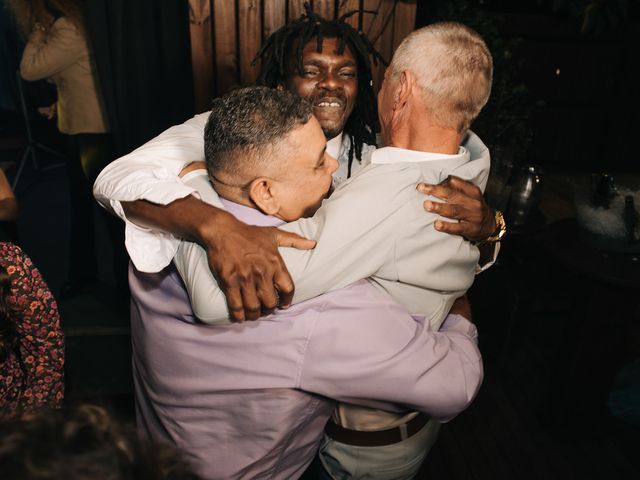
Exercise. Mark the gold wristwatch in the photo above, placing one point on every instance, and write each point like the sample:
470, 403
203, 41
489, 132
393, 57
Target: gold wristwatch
501, 230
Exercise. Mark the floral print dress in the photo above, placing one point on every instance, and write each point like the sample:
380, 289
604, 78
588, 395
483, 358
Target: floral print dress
32, 376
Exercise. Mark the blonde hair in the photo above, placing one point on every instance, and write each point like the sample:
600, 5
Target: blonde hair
453, 69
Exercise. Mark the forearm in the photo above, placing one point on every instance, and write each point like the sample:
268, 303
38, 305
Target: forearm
438, 373
189, 218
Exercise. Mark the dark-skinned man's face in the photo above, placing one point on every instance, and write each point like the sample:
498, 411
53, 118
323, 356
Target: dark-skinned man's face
329, 81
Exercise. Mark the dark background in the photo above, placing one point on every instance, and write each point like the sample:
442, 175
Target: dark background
558, 319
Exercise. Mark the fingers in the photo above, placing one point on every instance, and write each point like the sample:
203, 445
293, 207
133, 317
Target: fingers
453, 211
252, 294
289, 239
462, 201
284, 285
250, 270
463, 186
234, 302
250, 301
461, 228
451, 189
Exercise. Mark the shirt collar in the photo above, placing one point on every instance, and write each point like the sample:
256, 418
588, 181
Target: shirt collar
249, 215
334, 146
400, 155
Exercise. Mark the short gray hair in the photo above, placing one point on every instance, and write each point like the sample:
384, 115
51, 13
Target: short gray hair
453, 68
245, 124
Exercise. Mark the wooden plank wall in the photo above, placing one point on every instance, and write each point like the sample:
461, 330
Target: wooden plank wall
240, 26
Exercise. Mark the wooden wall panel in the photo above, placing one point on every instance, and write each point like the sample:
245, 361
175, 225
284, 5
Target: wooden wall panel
325, 8
201, 53
250, 34
238, 39
404, 22
379, 29
225, 51
296, 8
274, 16
348, 6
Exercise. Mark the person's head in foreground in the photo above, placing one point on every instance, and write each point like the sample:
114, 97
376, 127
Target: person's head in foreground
440, 74
83, 443
265, 149
329, 63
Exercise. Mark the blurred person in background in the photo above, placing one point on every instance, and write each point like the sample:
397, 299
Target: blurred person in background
57, 50
31, 340
9, 210
83, 443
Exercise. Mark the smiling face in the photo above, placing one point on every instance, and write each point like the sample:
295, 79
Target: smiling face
329, 81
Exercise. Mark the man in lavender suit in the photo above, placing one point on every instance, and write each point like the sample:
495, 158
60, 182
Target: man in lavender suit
250, 400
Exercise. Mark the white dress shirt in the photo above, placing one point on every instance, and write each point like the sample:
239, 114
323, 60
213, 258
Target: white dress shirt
151, 173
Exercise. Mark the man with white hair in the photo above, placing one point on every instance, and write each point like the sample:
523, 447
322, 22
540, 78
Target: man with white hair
437, 83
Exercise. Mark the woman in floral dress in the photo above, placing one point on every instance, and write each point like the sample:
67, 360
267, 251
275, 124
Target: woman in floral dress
31, 341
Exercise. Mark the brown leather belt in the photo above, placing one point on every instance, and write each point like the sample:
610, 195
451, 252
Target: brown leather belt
376, 438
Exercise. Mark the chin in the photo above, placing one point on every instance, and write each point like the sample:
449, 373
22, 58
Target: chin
311, 211
332, 131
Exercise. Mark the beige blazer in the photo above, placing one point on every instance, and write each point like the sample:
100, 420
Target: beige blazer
373, 226
61, 55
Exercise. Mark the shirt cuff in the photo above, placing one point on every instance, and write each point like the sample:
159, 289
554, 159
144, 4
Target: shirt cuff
492, 260
458, 323
151, 250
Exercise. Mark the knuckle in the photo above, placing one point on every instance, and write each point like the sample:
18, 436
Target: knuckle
433, 206
285, 287
269, 305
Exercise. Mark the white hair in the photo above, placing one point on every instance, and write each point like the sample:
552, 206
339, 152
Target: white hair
453, 69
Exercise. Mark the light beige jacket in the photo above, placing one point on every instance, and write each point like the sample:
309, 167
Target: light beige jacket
373, 225
61, 55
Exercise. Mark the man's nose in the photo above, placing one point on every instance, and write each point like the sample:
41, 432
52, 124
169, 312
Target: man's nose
333, 163
330, 81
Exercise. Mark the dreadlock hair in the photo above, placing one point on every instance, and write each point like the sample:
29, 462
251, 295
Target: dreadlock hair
288, 42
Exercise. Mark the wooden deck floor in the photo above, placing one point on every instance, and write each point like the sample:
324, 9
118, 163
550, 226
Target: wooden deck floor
501, 436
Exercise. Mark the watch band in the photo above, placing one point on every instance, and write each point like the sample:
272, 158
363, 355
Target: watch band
500, 232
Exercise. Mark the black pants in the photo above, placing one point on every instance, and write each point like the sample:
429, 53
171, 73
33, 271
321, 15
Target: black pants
88, 154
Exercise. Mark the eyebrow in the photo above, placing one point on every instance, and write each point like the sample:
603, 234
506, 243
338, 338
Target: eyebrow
318, 63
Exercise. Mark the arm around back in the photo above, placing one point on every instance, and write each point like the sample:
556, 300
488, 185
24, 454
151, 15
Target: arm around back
381, 356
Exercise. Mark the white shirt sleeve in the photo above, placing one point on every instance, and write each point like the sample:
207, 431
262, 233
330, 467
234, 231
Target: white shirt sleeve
151, 173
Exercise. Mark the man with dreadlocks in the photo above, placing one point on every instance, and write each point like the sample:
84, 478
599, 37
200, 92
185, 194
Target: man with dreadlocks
143, 186
300, 57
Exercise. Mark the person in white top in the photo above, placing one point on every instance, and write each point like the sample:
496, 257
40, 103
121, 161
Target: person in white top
143, 187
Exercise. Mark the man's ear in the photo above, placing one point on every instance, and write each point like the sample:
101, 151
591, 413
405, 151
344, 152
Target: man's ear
405, 87
262, 193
